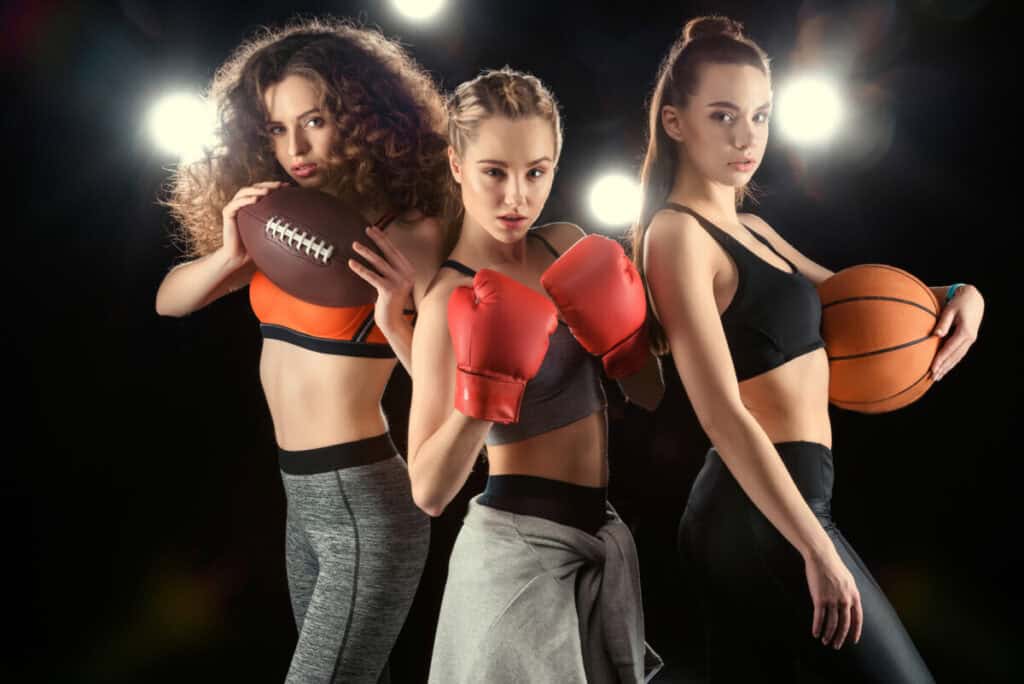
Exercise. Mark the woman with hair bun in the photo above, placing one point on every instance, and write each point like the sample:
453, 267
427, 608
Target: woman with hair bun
543, 583
342, 109
736, 305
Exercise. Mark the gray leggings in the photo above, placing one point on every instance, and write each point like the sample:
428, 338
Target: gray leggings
355, 546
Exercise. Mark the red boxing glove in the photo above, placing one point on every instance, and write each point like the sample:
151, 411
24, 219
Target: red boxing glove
600, 295
500, 329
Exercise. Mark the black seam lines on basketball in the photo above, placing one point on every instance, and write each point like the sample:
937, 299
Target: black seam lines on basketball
886, 299
893, 396
924, 288
879, 351
298, 240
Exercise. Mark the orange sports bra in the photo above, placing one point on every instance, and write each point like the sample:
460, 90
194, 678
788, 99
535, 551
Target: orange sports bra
345, 330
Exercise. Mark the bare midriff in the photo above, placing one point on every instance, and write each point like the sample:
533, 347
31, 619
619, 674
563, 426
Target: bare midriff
574, 453
790, 402
319, 399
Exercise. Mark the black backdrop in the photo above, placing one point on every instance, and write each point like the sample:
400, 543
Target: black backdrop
144, 511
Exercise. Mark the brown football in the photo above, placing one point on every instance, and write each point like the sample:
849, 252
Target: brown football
302, 240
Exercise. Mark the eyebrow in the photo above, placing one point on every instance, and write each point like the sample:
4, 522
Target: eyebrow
730, 105
307, 113
498, 162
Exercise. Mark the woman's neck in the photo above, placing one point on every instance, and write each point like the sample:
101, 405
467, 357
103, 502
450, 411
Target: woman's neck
477, 245
371, 213
714, 201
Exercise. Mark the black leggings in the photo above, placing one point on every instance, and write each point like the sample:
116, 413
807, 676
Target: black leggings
752, 587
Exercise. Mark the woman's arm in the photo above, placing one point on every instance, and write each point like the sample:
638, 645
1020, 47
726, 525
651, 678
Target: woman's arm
963, 313
680, 275
443, 443
399, 336
193, 285
645, 387
190, 286
396, 277
393, 276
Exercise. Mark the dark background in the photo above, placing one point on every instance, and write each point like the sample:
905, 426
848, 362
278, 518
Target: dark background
143, 505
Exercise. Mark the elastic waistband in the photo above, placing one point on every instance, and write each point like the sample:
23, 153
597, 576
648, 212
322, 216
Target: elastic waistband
561, 502
337, 456
809, 464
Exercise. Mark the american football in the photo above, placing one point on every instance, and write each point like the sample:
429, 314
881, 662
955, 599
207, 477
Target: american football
302, 240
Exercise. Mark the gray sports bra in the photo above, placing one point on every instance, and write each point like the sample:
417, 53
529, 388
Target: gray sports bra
566, 388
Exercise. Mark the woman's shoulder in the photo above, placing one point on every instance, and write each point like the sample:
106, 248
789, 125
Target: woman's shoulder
442, 283
419, 236
676, 230
427, 229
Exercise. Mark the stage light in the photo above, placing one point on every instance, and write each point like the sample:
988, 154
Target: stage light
809, 110
615, 199
418, 10
182, 124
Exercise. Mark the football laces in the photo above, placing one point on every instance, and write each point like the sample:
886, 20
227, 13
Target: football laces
279, 230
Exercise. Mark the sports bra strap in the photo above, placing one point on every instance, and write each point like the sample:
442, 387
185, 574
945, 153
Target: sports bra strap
675, 206
533, 233
466, 270
719, 234
763, 240
458, 266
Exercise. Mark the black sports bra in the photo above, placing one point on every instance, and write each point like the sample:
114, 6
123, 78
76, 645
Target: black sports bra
775, 316
565, 389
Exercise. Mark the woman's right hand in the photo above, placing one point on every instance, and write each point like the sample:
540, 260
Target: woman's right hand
233, 248
837, 609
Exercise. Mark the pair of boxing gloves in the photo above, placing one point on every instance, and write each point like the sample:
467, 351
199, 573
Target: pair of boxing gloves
500, 327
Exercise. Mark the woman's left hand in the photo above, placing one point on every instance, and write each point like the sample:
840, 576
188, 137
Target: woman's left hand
392, 275
963, 316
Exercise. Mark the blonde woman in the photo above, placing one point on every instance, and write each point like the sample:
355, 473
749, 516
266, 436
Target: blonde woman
542, 583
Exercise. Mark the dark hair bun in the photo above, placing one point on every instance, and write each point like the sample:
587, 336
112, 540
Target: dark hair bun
714, 25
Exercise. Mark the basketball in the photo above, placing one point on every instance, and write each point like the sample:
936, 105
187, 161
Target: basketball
877, 324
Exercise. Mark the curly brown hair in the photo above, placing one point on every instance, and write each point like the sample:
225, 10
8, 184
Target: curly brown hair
392, 152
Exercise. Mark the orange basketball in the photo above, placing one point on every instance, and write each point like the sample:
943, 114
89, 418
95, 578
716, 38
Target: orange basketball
877, 324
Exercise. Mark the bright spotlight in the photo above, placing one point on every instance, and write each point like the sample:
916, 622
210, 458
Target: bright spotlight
809, 110
418, 10
615, 199
182, 124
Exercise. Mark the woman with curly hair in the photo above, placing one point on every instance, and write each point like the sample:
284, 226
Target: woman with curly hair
342, 109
